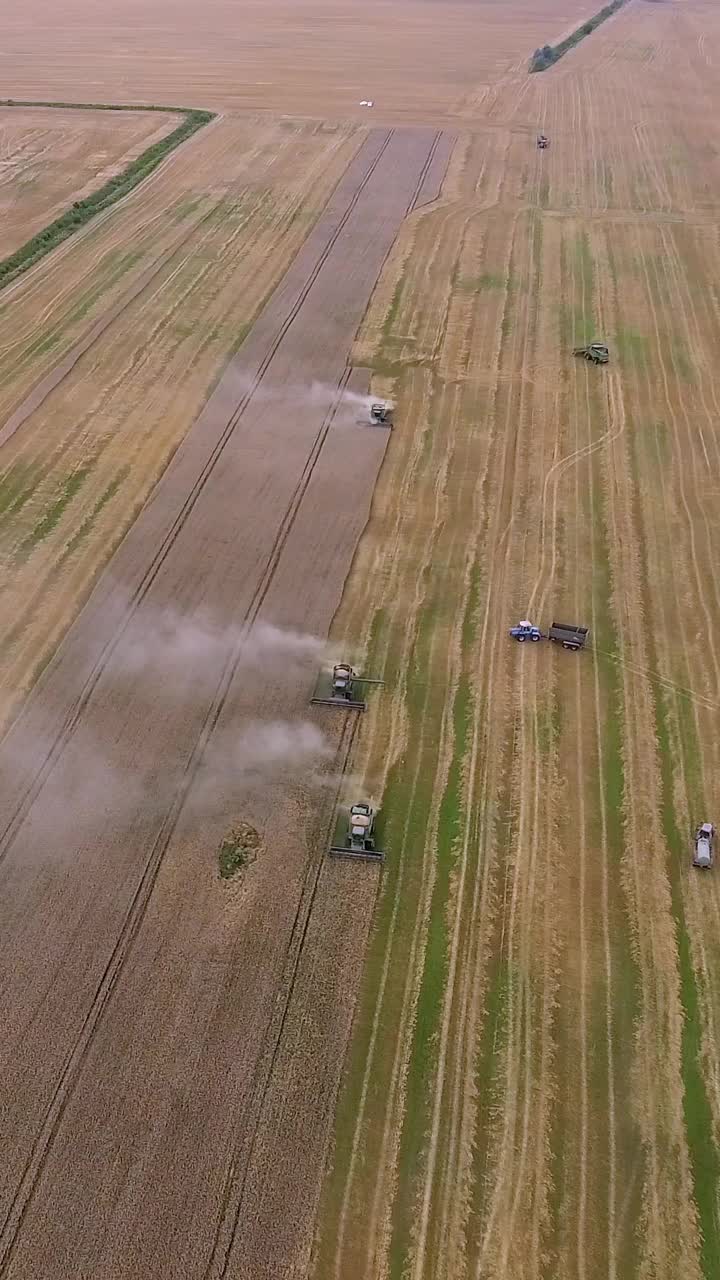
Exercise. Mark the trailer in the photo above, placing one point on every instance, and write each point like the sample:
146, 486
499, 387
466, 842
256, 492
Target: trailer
704, 853
360, 836
568, 635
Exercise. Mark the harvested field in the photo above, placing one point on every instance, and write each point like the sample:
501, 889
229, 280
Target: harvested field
309, 57
532, 1086
51, 157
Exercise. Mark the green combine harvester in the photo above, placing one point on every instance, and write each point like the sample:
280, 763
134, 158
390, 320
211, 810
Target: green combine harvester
597, 352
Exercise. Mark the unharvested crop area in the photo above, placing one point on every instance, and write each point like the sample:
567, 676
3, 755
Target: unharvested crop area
497, 1058
49, 158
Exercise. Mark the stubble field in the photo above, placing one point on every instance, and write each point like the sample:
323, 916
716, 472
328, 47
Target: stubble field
50, 158
532, 1083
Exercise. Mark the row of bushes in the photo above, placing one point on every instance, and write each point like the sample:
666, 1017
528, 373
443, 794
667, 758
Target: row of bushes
103, 106
549, 53
114, 189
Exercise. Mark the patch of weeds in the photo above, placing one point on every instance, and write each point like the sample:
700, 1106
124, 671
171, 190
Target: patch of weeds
631, 347
587, 268
475, 284
238, 850
56, 510
681, 361
83, 529
393, 309
16, 486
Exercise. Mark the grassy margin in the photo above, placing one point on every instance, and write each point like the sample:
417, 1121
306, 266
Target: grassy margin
548, 54
81, 211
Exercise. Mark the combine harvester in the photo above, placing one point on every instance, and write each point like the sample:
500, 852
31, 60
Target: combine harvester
380, 415
360, 837
567, 634
597, 352
341, 692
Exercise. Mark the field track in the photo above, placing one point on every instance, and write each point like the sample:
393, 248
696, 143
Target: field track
251, 499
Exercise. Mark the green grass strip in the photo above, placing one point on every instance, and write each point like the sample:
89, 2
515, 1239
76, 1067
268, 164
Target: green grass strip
54, 513
549, 54
108, 194
423, 1057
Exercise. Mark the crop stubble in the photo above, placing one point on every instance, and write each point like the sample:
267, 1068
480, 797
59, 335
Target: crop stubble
532, 1085
50, 158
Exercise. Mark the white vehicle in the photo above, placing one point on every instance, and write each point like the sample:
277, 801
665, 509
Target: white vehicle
704, 840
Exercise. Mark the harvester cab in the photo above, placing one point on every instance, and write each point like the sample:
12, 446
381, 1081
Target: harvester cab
360, 837
704, 846
526, 631
597, 352
339, 690
342, 680
380, 415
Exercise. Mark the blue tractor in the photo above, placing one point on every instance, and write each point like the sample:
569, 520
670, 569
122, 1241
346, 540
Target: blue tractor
526, 631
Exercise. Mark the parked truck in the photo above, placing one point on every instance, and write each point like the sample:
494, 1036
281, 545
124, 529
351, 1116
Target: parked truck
704, 846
